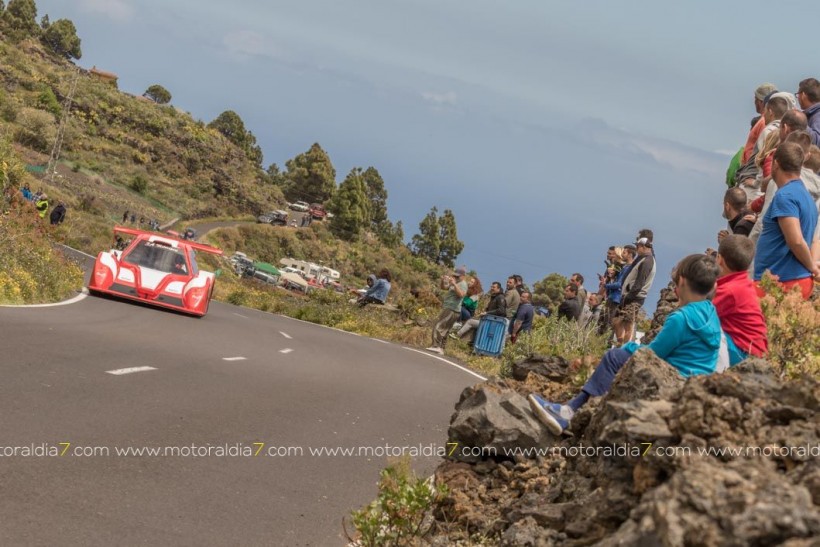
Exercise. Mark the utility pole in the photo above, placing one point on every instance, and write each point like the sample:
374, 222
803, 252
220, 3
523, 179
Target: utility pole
51, 170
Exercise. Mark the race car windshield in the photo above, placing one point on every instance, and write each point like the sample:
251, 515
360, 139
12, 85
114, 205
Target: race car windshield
157, 256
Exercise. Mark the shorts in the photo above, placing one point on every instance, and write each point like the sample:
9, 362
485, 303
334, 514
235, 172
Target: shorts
630, 312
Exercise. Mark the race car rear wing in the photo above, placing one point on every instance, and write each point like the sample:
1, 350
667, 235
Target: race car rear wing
192, 244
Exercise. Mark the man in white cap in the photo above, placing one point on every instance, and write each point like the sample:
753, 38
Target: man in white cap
456, 288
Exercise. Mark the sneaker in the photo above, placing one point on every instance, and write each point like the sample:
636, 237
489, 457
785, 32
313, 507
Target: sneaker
456, 326
435, 349
553, 415
454, 336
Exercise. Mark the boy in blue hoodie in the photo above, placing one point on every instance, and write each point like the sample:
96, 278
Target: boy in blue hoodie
689, 341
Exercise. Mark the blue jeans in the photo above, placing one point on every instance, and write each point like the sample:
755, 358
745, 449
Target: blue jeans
601, 380
465, 314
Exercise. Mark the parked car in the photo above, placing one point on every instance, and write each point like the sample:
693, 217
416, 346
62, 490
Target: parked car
317, 211
276, 218
265, 277
301, 206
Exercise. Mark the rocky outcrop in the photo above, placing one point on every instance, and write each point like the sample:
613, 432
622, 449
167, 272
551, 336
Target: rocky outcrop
714, 460
553, 368
494, 419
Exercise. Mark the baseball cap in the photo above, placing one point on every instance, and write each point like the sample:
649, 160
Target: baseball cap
763, 90
644, 241
460, 271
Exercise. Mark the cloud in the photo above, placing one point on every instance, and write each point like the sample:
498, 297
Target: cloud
251, 43
662, 151
118, 10
448, 97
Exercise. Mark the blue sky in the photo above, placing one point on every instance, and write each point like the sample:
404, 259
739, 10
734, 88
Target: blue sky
552, 129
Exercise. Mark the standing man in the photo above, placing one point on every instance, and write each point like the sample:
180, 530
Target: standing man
578, 279
788, 226
570, 308
636, 286
451, 308
58, 214
513, 299
808, 94
523, 318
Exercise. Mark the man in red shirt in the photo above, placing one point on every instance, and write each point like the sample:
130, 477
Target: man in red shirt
736, 301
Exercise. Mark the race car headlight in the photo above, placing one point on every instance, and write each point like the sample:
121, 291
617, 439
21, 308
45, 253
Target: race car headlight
102, 275
195, 296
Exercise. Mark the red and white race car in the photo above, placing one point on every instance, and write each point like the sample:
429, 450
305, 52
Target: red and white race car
156, 269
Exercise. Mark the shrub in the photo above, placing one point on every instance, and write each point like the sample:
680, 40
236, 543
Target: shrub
30, 270
139, 184
794, 330
48, 101
554, 336
397, 516
37, 129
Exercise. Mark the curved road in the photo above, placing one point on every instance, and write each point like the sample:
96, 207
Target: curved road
235, 378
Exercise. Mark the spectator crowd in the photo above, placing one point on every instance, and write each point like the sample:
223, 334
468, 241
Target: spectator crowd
771, 207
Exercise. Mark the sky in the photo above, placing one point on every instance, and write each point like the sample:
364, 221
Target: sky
551, 129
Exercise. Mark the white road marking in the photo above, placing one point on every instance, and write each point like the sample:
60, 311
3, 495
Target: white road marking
240, 315
286, 335
77, 251
382, 341
448, 362
234, 358
121, 371
286, 350
82, 295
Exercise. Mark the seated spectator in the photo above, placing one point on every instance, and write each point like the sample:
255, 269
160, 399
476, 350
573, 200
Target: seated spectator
377, 294
736, 301
497, 307
736, 212
689, 342
569, 308
42, 205
470, 301
523, 317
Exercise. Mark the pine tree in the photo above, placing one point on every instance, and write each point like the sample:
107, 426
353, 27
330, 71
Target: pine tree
349, 207
377, 197
233, 128
20, 17
158, 94
450, 245
427, 243
61, 37
549, 291
310, 176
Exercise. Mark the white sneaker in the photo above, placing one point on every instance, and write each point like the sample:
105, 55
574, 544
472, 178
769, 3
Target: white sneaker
434, 349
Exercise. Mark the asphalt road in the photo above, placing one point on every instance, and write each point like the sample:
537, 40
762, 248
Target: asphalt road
297, 387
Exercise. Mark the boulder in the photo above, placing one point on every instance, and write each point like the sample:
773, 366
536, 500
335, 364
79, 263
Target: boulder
497, 420
553, 368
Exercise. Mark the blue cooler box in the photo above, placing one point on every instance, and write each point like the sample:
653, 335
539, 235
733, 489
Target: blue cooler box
492, 332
